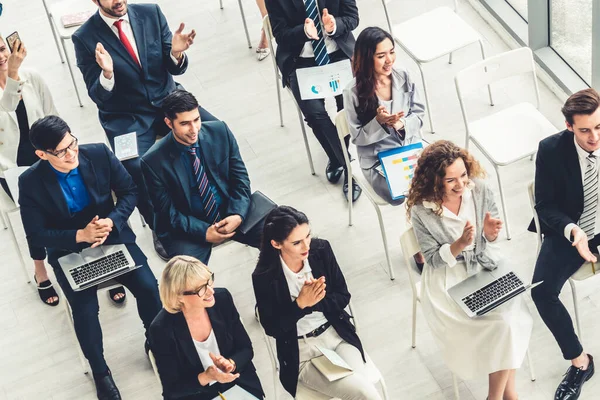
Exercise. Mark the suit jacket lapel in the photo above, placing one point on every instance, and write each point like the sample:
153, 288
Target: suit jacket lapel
573, 168
88, 174
108, 39
209, 163
182, 332
299, 5
54, 190
140, 36
181, 169
397, 83
219, 328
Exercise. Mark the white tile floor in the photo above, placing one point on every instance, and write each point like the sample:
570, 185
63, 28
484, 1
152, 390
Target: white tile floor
38, 358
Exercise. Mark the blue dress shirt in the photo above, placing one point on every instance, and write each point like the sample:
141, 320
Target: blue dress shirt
74, 189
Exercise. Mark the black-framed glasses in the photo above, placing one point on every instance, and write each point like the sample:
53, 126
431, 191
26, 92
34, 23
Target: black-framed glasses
202, 289
63, 152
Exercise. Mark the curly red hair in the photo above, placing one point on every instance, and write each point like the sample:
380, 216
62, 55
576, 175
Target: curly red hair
428, 180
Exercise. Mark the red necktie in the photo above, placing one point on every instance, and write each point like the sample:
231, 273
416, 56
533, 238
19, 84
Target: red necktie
126, 42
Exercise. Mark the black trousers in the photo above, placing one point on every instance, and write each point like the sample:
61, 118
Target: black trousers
316, 115
133, 166
558, 260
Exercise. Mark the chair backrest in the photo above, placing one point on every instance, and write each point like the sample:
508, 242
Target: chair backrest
410, 247
536, 220
343, 130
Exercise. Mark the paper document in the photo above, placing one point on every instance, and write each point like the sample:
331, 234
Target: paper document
331, 365
126, 146
398, 167
324, 81
236, 393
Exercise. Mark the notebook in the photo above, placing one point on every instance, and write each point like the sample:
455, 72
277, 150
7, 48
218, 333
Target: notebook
331, 365
398, 167
126, 146
260, 206
76, 19
236, 393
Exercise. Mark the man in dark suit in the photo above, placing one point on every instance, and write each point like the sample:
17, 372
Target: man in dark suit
128, 57
67, 206
566, 201
197, 182
302, 29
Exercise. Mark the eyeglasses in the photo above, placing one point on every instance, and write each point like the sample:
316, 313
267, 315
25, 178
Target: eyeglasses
202, 289
63, 152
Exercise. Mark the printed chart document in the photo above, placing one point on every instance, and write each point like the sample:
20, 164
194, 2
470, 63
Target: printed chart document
324, 81
126, 146
236, 393
398, 167
331, 365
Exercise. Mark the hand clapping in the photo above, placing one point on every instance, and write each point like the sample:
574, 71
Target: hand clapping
491, 227
311, 293
328, 21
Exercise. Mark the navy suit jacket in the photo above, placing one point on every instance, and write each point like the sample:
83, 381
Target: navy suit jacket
177, 358
135, 101
558, 184
46, 217
168, 183
287, 21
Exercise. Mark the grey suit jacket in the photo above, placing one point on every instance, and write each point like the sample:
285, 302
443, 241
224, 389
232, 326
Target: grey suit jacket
432, 233
372, 138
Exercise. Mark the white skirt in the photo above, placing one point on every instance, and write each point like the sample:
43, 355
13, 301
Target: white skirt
473, 347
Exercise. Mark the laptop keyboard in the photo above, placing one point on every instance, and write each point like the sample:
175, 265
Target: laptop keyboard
99, 268
492, 292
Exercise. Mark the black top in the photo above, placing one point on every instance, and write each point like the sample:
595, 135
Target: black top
26, 153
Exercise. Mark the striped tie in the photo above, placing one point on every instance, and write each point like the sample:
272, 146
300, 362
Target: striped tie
319, 48
207, 196
587, 222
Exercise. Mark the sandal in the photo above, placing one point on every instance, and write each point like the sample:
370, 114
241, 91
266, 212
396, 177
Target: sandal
262, 53
46, 292
119, 290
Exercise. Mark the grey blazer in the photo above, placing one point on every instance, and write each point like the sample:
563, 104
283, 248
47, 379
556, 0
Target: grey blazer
432, 233
372, 138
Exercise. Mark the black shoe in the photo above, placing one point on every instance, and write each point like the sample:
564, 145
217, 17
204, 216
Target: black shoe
570, 387
158, 247
333, 173
106, 388
356, 190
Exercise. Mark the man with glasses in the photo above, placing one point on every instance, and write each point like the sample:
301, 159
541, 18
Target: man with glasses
66, 206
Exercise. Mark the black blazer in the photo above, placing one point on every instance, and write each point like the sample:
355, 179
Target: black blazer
558, 185
135, 101
287, 21
177, 359
46, 217
279, 314
168, 184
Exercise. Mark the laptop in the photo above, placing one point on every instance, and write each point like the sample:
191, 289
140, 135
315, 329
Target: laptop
486, 290
91, 267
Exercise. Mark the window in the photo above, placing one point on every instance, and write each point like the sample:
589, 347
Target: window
520, 6
571, 34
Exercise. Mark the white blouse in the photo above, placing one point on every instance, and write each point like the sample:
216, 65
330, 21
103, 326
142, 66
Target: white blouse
210, 345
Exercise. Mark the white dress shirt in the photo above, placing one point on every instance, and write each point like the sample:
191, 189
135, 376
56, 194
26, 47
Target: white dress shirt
295, 282
210, 345
582, 155
330, 44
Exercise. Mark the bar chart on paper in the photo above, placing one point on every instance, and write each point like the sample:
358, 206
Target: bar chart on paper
399, 167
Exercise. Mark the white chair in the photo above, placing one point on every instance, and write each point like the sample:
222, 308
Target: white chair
432, 35
54, 11
410, 247
243, 20
514, 133
278, 84
154, 368
305, 393
355, 173
584, 272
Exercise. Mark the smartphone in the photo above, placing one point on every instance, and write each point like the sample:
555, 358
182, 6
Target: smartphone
11, 39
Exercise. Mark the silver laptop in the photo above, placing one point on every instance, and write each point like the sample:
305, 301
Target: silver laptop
94, 266
486, 290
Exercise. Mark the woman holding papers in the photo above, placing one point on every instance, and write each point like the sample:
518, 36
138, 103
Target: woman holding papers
199, 343
301, 297
382, 105
454, 217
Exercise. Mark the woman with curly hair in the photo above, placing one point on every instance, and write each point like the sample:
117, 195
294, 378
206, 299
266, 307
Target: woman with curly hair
454, 217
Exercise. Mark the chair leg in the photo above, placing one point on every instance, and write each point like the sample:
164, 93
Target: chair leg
221, 4
384, 389
387, 17
531, 368
483, 58
71, 71
55, 35
505, 213
278, 85
385, 242
308, 154
6, 216
429, 113
414, 322
245, 25
71, 323
349, 196
450, 58
455, 385
576, 307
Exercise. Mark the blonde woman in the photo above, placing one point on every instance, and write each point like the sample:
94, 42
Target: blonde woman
199, 343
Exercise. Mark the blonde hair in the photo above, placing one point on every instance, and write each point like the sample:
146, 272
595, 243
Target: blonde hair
180, 273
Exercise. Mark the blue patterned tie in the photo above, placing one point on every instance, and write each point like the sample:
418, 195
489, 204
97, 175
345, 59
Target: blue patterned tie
319, 48
211, 208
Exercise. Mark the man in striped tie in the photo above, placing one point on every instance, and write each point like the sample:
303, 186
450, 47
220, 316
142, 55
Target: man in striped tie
313, 33
198, 183
566, 200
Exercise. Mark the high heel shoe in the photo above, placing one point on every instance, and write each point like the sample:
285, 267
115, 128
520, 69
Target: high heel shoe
262, 53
